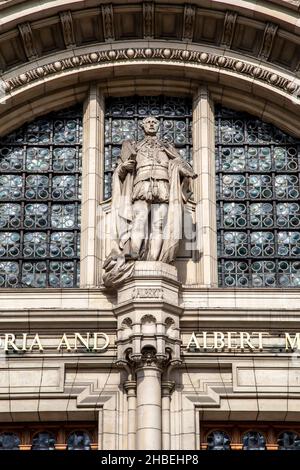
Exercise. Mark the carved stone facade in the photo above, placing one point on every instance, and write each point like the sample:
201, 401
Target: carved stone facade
144, 387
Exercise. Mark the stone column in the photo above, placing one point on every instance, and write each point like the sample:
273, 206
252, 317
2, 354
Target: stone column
205, 187
92, 188
148, 378
130, 387
167, 388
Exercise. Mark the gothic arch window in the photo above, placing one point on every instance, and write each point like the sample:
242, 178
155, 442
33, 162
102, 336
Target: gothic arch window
40, 191
122, 118
257, 202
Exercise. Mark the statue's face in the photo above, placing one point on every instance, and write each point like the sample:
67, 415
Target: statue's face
151, 126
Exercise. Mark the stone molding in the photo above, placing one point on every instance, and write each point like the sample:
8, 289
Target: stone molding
152, 55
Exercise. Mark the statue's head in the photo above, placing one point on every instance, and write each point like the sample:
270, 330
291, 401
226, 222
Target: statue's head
150, 125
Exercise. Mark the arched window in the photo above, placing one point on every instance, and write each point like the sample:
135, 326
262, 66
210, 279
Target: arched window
9, 441
79, 440
43, 441
40, 183
122, 118
254, 440
258, 203
218, 440
288, 440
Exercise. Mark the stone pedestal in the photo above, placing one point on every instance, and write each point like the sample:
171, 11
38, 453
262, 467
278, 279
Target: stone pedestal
148, 344
151, 280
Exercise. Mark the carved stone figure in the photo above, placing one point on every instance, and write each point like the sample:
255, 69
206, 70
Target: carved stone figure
150, 185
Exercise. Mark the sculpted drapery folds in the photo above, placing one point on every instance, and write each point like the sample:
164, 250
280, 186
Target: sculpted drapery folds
150, 185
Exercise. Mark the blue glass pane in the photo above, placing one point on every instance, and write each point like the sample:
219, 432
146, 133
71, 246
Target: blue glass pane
258, 210
40, 192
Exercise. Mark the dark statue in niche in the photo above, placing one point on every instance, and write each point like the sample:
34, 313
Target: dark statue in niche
9, 441
288, 440
43, 441
79, 440
218, 440
253, 440
150, 185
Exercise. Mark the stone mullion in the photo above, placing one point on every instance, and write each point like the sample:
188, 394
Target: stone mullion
205, 188
92, 188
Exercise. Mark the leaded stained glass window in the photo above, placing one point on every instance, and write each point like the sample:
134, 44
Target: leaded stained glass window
122, 119
40, 191
257, 202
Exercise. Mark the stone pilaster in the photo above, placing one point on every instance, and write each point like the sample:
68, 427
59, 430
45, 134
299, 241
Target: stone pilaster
92, 189
205, 187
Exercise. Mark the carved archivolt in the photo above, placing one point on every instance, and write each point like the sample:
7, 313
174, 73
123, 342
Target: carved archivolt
169, 55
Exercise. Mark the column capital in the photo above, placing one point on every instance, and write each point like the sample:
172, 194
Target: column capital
149, 359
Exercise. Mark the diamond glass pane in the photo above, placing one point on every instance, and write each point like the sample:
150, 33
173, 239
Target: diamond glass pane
122, 121
258, 168
40, 192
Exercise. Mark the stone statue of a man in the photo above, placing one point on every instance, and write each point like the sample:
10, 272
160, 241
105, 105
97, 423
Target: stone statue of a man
150, 185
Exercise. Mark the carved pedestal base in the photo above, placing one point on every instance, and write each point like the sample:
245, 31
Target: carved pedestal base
148, 347
151, 280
